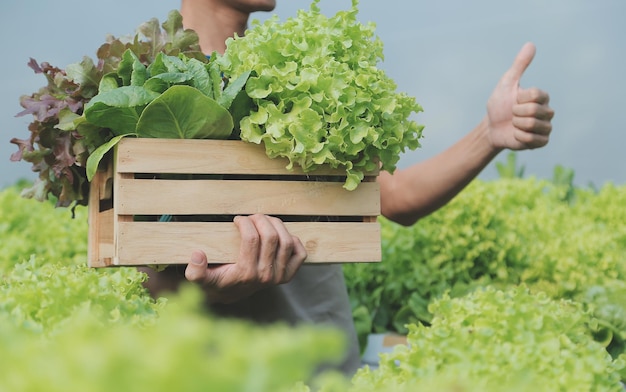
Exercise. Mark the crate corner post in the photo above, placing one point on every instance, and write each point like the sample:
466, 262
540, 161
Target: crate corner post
100, 217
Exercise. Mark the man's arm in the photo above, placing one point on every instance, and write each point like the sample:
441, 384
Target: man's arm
516, 119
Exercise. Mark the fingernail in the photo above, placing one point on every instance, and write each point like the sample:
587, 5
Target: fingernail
196, 258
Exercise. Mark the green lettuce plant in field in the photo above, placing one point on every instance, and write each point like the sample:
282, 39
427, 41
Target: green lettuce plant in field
493, 340
55, 313
44, 278
67, 327
38, 229
42, 296
185, 350
502, 233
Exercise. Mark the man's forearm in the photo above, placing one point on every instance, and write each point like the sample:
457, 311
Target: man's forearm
412, 193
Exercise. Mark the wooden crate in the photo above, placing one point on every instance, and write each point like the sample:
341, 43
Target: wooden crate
203, 184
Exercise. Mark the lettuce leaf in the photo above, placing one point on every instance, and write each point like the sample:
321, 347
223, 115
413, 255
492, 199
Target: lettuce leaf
173, 97
59, 146
183, 112
318, 95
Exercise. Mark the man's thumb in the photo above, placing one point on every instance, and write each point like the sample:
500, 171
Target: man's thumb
197, 267
521, 62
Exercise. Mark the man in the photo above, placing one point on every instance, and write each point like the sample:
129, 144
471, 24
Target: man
269, 283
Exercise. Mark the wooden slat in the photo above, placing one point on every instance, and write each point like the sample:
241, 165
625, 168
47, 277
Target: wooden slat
92, 218
147, 243
193, 156
116, 239
229, 197
119, 218
106, 183
106, 248
100, 232
105, 236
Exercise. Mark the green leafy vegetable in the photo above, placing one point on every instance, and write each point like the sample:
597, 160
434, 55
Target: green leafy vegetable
319, 97
183, 112
119, 109
96, 157
173, 97
492, 340
176, 92
100, 330
502, 233
564, 328
58, 148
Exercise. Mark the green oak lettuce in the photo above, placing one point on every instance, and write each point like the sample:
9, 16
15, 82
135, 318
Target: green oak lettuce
569, 243
492, 340
67, 327
319, 97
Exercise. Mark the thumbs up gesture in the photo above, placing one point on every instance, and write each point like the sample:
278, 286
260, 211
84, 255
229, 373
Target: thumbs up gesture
519, 118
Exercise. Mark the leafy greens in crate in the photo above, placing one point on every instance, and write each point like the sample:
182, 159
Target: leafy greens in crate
308, 88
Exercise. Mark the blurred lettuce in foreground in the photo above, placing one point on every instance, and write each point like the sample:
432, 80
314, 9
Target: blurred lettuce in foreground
186, 350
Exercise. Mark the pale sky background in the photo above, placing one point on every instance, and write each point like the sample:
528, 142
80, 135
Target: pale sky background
449, 54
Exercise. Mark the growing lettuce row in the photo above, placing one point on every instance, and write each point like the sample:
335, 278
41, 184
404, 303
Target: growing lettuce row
569, 244
550, 272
